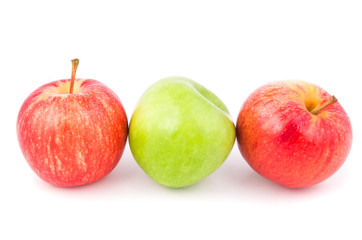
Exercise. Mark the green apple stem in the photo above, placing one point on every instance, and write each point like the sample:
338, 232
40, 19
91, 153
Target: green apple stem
75, 63
320, 107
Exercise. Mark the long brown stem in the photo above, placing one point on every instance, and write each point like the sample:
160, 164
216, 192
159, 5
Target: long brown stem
75, 63
320, 107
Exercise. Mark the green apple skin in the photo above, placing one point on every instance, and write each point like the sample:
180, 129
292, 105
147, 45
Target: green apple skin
180, 132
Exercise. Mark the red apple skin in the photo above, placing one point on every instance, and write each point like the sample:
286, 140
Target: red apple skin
282, 141
72, 139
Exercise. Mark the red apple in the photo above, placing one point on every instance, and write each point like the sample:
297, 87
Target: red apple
293, 133
72, 131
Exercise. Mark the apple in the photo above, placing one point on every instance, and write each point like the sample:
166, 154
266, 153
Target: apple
72, 131
293, 133
180, 132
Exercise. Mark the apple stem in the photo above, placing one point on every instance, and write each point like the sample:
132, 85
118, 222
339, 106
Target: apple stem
75, 63
320, 107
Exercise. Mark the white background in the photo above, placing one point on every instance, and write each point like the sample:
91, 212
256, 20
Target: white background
231, 47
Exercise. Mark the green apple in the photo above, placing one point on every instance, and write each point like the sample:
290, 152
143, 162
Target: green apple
180, 132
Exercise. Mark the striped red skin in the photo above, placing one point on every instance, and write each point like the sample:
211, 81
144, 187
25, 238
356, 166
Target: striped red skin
72, 139
282, 141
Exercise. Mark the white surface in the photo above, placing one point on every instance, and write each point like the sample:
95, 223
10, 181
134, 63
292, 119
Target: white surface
231, 47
